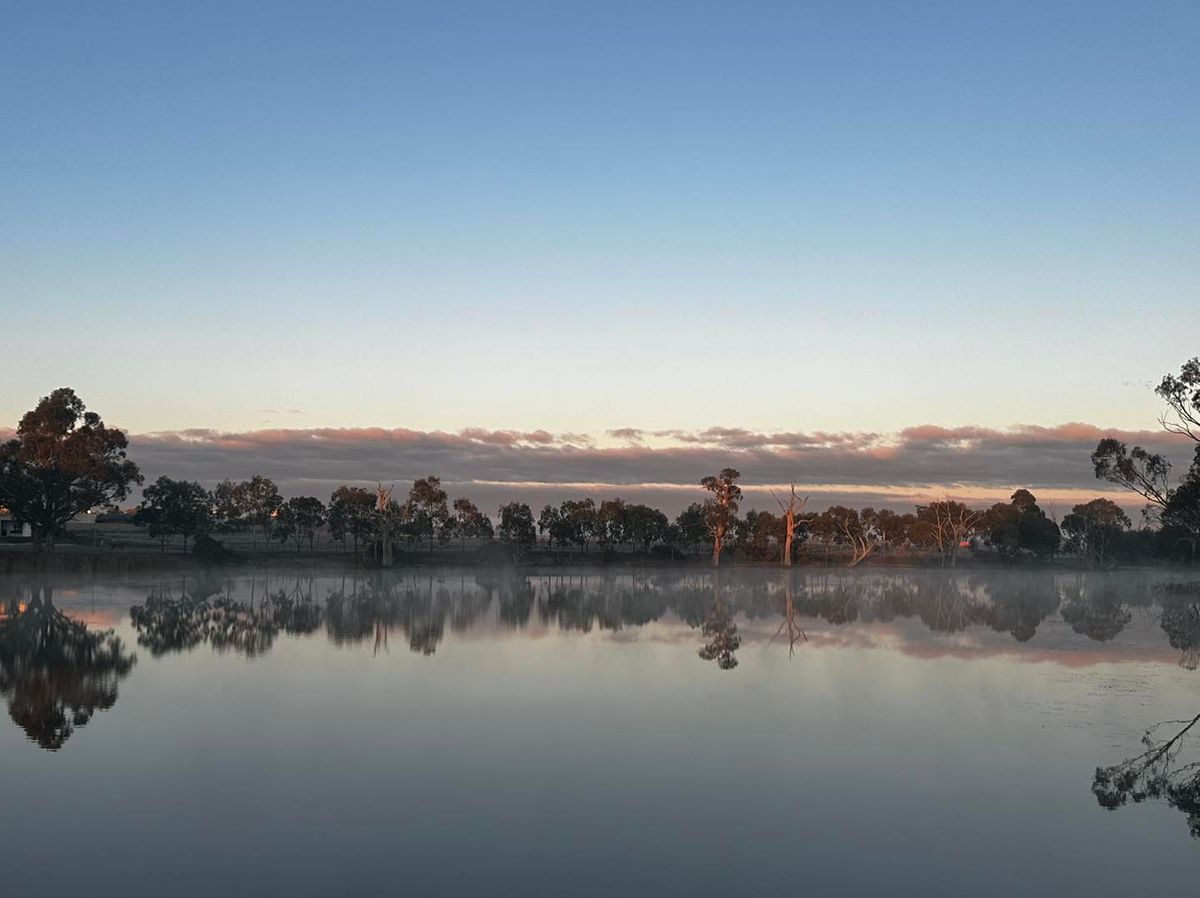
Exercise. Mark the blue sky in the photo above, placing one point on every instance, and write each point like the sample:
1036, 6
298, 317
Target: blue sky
580, 217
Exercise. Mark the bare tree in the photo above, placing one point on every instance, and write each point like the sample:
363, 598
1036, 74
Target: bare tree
794, 506
947, 524
383, 501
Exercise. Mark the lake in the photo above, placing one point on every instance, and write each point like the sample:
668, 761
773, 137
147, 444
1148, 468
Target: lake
591, 732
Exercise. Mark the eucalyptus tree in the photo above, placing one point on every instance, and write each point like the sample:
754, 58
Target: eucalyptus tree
469, 522
1093, 528
175, 508
1148, 473
720, 511
351, 514
791, 511
946, 525
298, 520
691, 526
517, 528
426, 510
62, 462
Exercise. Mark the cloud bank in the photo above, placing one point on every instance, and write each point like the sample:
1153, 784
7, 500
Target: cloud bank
663, 466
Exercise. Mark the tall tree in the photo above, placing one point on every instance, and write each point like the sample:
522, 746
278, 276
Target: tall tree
720, 511
63, 461
791, 510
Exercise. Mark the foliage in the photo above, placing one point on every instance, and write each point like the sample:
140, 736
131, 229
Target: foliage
297, 520
720, 511
1092, 528
517, 528
351, 514
63, 461
1020, 527
175, 508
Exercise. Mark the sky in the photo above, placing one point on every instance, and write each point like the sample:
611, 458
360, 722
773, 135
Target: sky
835, 218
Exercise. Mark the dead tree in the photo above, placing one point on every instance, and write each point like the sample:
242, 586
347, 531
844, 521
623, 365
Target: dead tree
794, 506
383, 501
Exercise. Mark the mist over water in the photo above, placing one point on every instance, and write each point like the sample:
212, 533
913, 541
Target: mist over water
457, 730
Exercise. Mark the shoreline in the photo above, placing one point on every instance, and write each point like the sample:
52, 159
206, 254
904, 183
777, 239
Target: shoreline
16, 560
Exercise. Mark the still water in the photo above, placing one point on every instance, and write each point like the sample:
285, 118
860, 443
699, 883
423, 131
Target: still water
454, 732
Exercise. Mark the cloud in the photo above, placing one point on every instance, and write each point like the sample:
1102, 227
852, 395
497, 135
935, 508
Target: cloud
857, 467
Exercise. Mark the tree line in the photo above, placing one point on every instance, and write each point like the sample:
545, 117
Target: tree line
64, 461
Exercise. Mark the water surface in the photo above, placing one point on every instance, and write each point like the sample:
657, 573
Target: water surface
456, 731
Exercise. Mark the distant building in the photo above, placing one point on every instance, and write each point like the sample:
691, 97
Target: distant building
10, 528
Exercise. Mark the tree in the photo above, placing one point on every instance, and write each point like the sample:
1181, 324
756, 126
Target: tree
720, 511
759, 534
611, 524
1020, 526
644, 525
351, 513
692, 526
63, 461
387, 514
517, 528
298, 519
175, 508
844, 526
426, 510
553, 526
1093, 527
946, 525
1148, 473
257, 501
793, 508
469, 522
581, 520
226, 507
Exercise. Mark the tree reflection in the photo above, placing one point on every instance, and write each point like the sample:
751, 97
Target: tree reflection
166, 624
54, 672
1020, 611
721, 631
1099, 618
1181, 622
790, 628
1165, 771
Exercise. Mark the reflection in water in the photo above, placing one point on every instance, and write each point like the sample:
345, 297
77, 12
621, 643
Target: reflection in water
720, 631
54, 672
424, 607
790, 628
1181, 622
1165, 771
167, 624
1099, 618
